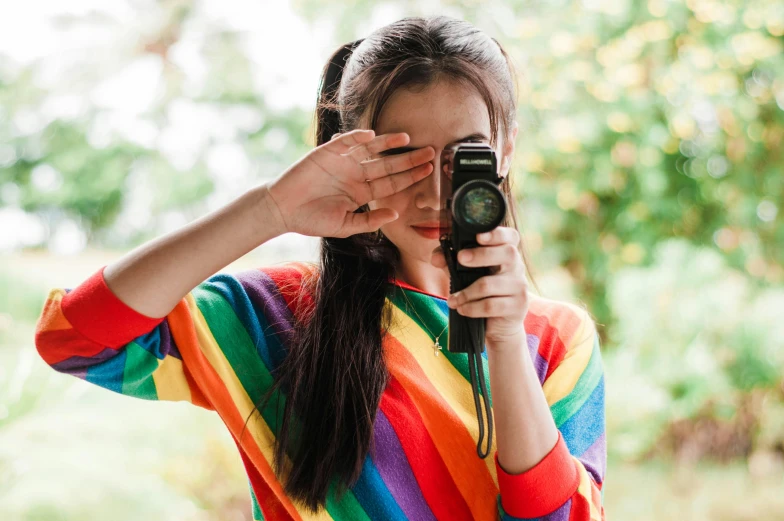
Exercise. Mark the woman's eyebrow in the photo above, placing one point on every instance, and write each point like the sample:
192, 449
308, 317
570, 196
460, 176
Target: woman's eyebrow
401, 150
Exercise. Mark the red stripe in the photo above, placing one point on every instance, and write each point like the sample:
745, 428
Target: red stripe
271, 507
543, 488
92, 309
438, 487
61, 344
581, 510
553, 322
409, 286
551, 348
289, 279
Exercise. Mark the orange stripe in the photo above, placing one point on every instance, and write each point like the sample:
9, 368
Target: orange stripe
216, 392
52, 317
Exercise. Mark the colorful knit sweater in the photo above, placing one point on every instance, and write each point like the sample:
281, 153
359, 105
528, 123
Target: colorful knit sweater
216, 349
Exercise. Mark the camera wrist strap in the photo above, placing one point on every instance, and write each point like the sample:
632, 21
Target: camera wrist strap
471, 331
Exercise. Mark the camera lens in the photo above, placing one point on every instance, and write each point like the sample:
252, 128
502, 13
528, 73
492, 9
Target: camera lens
480, 206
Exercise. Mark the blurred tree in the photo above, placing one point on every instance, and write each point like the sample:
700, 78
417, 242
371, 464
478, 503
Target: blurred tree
642, 121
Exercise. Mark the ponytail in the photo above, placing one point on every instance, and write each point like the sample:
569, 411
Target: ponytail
334, 372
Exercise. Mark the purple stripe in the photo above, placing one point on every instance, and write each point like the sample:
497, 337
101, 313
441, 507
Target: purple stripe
540, 364
263, 291
594, 460
167, 346
392, 465
164, 346
75, 364
562, 514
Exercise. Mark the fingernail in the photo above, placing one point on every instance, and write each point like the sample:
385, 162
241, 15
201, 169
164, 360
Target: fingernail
483, 236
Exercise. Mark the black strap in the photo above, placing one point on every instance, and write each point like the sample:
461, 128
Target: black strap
469, 332
475, 366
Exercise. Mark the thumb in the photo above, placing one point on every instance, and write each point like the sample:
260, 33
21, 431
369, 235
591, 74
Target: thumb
366, 222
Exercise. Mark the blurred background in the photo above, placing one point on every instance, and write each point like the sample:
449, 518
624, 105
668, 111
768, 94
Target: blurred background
648, 175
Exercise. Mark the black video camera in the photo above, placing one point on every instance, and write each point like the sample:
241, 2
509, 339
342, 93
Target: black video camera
473, 203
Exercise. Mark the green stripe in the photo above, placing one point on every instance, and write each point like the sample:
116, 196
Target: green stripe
137, 373
425, 306
236, 344
564, 408
347, 509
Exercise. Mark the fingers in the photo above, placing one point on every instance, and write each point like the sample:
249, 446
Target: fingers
341, 142
363, 150
500, 235
489, 286
491, 307
383, 166
357, 145
381, 143
487, 255
394, 183
364, 142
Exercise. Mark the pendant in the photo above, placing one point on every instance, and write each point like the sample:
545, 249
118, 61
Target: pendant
436, 348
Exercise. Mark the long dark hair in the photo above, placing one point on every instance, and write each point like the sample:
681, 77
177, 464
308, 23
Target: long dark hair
334, 372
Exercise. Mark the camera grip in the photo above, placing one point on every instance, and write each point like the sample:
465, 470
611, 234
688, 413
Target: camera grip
466, 334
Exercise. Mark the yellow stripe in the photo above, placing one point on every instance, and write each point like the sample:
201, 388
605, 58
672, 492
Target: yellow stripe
170, 382
584, 489
55, 294
257, 427
454, 388
562, 380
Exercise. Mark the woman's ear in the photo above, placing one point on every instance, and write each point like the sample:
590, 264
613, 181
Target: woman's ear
508, 152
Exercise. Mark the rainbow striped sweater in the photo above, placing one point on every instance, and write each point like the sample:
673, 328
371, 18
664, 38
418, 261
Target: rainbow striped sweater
216, 349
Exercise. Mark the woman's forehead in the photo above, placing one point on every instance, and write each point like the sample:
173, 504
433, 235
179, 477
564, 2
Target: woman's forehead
440, 112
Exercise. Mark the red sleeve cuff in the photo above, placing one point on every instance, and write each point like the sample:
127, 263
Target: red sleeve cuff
97, 313
542, 489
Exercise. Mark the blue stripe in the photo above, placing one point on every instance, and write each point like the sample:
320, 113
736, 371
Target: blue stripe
374, 496
587, 424
108, 374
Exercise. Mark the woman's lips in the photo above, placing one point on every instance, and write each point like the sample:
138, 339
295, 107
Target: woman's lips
428, 233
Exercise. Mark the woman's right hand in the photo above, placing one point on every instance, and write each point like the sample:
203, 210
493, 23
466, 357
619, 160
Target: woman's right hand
317, 195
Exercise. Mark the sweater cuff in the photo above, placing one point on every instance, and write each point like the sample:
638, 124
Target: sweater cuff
542, 489
98, 314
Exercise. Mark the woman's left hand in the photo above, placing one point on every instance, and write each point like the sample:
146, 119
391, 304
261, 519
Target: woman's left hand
502, 296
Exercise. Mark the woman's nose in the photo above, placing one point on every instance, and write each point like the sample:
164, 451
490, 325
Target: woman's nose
428, 190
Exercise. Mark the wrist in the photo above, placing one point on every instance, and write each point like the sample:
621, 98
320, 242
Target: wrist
512, 343
268, 219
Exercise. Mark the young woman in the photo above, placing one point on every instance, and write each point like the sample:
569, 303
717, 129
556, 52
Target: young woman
329, 375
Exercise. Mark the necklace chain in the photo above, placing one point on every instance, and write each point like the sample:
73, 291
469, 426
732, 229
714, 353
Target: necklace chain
436, 346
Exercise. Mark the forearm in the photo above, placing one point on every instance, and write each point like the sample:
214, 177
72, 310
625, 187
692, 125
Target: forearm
525, 429
153, 277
